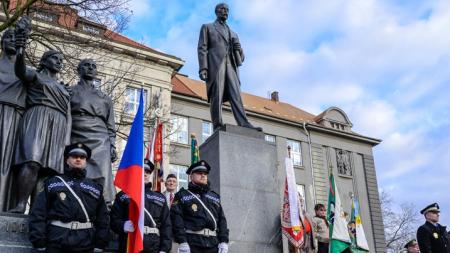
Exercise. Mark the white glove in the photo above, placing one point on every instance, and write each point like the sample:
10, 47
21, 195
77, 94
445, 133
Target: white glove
128, 226
162, 252
223, 247
98, 250
184, 248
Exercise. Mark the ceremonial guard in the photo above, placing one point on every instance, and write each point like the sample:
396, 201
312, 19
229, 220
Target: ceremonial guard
412, 246
198, 220
70, 214
157, 227
432, 236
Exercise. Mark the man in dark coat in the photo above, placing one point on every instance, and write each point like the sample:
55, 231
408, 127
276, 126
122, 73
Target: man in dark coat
157, 226
70, 214
431, 236
198, 221
219, 55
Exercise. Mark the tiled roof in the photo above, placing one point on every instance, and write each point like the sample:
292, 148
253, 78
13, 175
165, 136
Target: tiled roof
186, 86
69, 18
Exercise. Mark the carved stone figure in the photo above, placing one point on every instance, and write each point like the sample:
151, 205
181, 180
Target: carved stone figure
12, 106
343, 162
219, 55
45, 127
93, 124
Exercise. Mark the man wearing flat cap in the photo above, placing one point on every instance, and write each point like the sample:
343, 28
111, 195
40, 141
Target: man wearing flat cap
412, 246
431, 236
157, 227
70, 214
198, 221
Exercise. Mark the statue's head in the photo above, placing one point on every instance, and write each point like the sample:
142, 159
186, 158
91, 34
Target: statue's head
87, 69
51, 60
222, 11
8, 41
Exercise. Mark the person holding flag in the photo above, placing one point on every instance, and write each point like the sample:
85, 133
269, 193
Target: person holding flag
198, 220
157, 226
358, 237
130, 178
321, 228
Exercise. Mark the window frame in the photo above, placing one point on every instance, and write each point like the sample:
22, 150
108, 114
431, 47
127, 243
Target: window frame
296, 156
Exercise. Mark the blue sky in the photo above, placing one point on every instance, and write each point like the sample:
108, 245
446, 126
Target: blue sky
386, 63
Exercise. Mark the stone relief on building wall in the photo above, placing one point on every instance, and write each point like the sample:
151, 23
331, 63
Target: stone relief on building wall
343, 162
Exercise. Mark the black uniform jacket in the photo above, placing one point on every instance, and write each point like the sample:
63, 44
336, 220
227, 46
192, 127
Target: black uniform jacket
56, 202
187, 213
156, 205
433, 239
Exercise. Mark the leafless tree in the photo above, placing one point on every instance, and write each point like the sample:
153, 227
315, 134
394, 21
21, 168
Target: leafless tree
400, 222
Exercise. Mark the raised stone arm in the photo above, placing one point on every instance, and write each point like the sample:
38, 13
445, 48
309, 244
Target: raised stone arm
22, 32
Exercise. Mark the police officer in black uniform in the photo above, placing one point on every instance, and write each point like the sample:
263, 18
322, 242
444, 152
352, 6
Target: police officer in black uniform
431, 236
157, 230
198, 220
70, 214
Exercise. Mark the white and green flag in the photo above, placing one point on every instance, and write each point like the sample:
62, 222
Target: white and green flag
339, 236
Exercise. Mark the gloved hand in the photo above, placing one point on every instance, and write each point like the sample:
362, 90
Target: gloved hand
97, 250
184, 248
223, 247
128, 226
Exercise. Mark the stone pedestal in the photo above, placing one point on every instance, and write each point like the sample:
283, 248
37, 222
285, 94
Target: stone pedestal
14, 233
244, 172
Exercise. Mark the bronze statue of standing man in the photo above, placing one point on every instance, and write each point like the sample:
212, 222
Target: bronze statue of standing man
93, 124
12, 106
219, 56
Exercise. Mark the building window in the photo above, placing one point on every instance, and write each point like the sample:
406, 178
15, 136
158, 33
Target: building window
296, 152
132, 100
270, 138
180, 172
301, 192
207, 130
90, 29
343, 161
45, 16
179, 129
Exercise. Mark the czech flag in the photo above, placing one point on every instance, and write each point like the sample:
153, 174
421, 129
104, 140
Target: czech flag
130, 178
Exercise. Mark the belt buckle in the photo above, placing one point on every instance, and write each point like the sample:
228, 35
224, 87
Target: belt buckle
74, 225
206, 232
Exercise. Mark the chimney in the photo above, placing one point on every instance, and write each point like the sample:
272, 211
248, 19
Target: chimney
274, 96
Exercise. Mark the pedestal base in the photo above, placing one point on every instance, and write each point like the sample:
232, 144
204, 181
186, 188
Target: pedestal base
244, 172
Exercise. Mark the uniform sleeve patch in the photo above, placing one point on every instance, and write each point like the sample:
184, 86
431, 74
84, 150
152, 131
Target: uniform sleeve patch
187, 198
157, 198
213, 198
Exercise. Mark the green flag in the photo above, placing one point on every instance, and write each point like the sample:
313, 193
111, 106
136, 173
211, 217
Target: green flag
339, 237
195, 154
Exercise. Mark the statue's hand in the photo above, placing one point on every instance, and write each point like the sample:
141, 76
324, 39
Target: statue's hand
237, 46
203, 74
21, 40
68, 88
113, 154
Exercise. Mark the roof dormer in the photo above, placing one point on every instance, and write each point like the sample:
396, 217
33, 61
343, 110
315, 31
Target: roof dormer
336, 118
